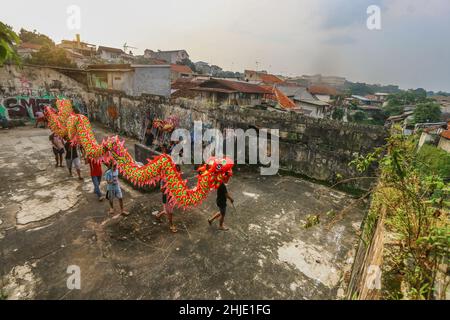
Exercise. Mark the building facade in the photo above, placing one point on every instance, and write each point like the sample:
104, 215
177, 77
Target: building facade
133, 80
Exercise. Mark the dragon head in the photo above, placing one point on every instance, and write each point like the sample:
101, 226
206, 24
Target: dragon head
219, 170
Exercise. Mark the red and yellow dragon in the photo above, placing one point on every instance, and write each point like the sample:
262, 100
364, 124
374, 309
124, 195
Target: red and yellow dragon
77, 129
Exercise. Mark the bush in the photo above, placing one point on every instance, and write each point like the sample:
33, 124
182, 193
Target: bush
432, 160
51, 56
359, 116
338, 114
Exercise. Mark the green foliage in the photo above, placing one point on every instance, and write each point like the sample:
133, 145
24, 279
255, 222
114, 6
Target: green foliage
363, 89
433, 161
427, 113
51, 56
35, 38
8, 39
393, 110
407, 98
338, 114
359, 116
414, 207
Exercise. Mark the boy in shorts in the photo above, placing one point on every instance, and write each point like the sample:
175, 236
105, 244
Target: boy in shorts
221, 201
113, 188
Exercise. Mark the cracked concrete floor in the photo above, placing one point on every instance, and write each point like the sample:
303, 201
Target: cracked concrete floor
49, 222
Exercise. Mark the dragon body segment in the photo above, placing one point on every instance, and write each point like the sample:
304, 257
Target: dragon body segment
77, 129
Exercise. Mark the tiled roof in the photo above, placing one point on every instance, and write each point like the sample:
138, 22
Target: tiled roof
325, 90
186, 83
446, 134
180, 68
280, 97
269, 78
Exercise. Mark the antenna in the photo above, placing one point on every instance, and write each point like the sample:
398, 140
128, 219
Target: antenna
126, 47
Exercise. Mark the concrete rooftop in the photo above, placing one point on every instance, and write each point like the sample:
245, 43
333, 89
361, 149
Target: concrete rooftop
49, 221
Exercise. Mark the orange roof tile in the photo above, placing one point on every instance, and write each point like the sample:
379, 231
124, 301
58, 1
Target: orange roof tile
269, 78
180, 68
446, 134
280, 97
325, 90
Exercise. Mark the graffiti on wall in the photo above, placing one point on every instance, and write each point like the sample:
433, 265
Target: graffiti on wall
23, 106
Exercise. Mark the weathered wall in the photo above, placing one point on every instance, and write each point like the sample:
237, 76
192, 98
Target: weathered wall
320, 149
152, 80
317, 148
23, 91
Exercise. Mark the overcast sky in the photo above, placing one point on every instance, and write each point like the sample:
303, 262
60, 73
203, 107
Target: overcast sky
290, 37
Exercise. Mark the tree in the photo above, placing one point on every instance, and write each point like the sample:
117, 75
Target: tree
393, 110
8, 39
51, 56
427, 113
35, 38
359, 116
338, 114
408, 97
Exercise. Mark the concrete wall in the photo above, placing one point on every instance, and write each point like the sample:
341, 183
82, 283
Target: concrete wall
152, 80
317, 148
26, 90
444, 144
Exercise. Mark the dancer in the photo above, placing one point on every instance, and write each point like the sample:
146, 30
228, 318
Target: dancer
113, 188
221, 201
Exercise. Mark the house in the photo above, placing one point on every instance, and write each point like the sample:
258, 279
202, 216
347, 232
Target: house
77, 46
25, 49
171, 56
381, 96
282, 101
181, 88
261, 77
80, 60
432, 134
111, 55
203, 68
400, 119
444, 141
178, 71
133, 80
305, 101
323, 93
219, 91
444, 101
364, 101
